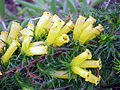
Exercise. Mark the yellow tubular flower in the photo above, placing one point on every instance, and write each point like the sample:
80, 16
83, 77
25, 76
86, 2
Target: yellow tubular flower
49, 24
69, 26
91, 64
82, 72
54, 32
4, 36
25, 32
81, 57
1, 45
30, 27
40, 28
89, 21
86, 34
37, 43
53, 20
0, 73
78, 28
14, 31
62, 74
37, 50
96, 31
25, 43
93, 79
64, 38
13, 46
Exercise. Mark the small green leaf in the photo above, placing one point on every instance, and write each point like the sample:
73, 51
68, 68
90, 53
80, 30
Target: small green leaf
29, 5
85, 8
65, 6
72, 6
41, 3
53, 6
10, 14
24, 85
2, 9
25, 22
96, 2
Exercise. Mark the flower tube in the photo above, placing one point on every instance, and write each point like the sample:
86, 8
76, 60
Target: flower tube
82, 72
37, 50
86, 34
30, 27
1, 45
64, 38
89, 21
54, 32
12, 48
40, 28
14, 31
3, 36
25, 43
96, 31
69, 26
78, 28
25, 33
93, 79
37, 43
81, 57
91, 64
52, 20
62, 74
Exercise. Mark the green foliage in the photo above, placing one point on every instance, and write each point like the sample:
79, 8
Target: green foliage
53, 6
2, 9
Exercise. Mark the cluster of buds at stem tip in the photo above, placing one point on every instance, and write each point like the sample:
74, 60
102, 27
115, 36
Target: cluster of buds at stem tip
35, 48
58, 32
79, 65
56, 28
84, 31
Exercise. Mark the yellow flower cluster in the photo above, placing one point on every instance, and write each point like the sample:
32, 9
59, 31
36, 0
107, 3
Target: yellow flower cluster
57, 31
16, 35
81, 62
56, 28
84, 30
79, 65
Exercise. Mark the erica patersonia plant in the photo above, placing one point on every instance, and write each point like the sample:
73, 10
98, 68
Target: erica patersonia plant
35, 48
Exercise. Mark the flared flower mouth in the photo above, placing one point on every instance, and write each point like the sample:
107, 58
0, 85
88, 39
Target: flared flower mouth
93, 79
99, 27
65, 38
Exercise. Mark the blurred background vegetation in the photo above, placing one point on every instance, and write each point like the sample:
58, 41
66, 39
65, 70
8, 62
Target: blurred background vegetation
106, 45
